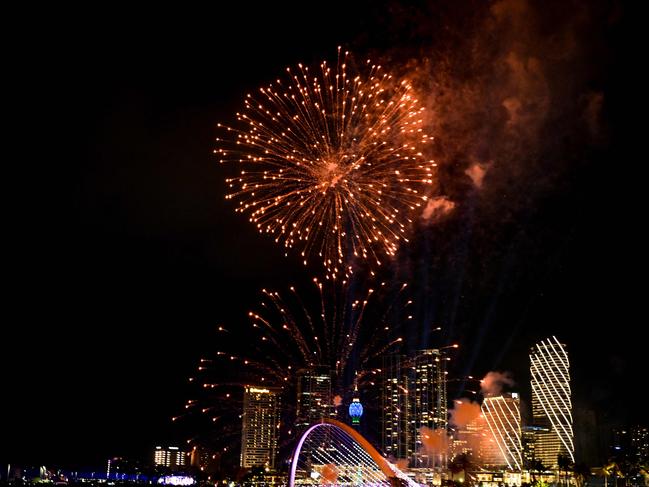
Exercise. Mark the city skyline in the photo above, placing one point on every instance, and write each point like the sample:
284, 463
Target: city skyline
129, 258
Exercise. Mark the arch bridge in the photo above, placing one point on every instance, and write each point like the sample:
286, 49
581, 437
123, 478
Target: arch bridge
334, 454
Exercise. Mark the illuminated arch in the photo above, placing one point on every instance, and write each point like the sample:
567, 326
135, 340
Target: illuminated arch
332, 453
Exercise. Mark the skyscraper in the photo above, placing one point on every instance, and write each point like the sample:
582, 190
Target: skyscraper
631, 444
396, 431
551, 401
260, 421
314, 400
639, 444
502, 415
429, 408
413, 396
530, 434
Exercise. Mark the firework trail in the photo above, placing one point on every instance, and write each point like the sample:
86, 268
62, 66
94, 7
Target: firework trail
320, 327
331, 162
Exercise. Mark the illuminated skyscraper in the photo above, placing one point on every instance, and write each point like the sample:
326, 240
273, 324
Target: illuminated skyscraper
530, 434
260, 421
171, 457
314, 400
639, 445
502, 414
428, 396
396, 431
631, 445
551, 401
413, 396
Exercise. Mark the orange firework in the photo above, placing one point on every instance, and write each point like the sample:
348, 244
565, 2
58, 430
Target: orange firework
332, 162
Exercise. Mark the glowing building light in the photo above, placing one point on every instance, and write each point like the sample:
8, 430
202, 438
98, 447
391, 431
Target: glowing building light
176, 480
356, 411
551, 401
503, 417
259, 434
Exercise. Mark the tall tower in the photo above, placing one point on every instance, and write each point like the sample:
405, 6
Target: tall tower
428, 396
261, 407
413, 396
314, 400
551, 401
396, 431
502, 414
355, 409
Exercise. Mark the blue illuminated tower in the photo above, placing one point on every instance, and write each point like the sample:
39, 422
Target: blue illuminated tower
355, 407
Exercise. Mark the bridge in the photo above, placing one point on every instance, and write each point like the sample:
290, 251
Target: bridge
334, 454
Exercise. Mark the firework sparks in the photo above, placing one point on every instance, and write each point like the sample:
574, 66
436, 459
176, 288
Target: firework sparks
288, 333
332, 162
330, 324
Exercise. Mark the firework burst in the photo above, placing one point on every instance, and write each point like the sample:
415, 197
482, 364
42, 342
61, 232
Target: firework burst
331, 325
331, 162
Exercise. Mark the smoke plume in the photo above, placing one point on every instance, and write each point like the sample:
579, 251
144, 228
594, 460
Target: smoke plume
436, 209
492, 384
464, 411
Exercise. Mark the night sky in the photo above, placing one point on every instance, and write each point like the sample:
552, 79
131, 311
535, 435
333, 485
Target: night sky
125, 257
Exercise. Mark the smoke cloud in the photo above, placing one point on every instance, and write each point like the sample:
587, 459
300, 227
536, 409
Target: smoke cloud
493, 383
436, 209
463, 412
507, 88
329, 474
435, 441
477, 173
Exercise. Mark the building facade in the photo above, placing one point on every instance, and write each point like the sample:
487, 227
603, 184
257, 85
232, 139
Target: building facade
260, 426
429, 408
551, 402
502, 415
396, 432
171, 457
314, 400
631, 444
413, 397
530, 433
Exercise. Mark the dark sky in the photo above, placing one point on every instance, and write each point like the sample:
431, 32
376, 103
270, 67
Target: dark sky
127, 257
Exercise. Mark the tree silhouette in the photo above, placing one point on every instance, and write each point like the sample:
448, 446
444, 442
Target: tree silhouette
536, 466
461, 463
564, 465
582, 473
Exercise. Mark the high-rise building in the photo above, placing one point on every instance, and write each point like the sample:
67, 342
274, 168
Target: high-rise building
640, 445
429, 408
631, 444
413, 397
502, 414
260, 426
171, 457
551, 401
528, 439
470, 439
396, 432
314, 400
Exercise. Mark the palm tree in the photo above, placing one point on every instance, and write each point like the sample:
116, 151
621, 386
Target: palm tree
536, 467
582, 473
564, 464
